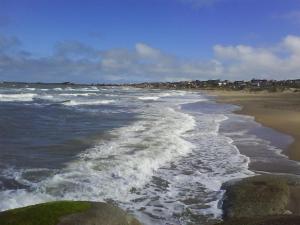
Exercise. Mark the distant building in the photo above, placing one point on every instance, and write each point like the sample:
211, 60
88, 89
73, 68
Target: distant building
239, 83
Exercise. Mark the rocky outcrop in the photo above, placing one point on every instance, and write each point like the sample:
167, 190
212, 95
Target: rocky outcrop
68, 213
100, 214
270, 220
262, 200
256, 196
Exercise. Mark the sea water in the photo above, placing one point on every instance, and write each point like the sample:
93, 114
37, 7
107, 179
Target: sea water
162, 155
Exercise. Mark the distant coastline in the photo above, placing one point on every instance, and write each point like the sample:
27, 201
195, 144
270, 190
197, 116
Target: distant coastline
251, 85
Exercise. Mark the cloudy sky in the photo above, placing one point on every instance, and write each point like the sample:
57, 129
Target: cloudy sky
148, 40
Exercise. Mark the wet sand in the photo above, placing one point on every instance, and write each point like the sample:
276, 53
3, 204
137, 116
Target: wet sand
280, 111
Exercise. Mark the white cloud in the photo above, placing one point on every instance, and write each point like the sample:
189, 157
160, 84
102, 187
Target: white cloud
279, 62
75, 61
146, 51
292, 43
147, 63
78, 62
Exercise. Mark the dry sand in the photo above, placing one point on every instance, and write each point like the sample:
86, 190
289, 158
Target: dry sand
280, 111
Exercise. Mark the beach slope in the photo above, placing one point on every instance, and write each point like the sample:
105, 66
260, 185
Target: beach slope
279, 110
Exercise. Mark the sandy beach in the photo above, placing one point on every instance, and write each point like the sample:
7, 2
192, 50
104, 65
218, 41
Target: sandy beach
280, 111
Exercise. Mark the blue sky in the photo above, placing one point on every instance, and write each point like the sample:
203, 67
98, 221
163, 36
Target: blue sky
148, 40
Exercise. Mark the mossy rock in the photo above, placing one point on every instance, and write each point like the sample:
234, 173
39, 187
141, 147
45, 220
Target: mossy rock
270, 220
256, 196
67, 213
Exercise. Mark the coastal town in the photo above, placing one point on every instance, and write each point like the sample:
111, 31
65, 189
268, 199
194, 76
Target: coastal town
252, 85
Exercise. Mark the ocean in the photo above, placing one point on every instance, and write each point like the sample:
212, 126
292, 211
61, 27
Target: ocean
162, 155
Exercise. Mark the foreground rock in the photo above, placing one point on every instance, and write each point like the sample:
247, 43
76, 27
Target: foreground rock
262, 200
256, 196
68, 213
271, 220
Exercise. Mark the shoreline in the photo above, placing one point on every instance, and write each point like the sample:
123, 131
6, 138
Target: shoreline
279, 111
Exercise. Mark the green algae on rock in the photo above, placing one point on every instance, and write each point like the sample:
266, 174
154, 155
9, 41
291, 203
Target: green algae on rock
42, 214
67, 213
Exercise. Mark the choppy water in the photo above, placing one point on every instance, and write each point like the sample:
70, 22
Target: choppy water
158, 154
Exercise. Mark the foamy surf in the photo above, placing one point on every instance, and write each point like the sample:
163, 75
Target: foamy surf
166, 166
78, 94
23, 97
154, 98
88, 102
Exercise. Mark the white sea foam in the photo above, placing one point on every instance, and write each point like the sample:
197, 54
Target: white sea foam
89, 89
214, 160
21, 197
26, 97
173, 93
154, 98
46, 97
78, 94
136, 153
183, 149
89, 102
70, 89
